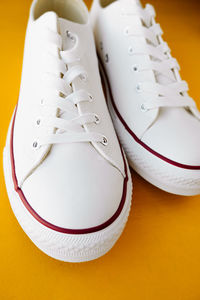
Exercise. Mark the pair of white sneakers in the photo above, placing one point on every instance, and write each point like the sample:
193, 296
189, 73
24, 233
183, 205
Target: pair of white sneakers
67, 176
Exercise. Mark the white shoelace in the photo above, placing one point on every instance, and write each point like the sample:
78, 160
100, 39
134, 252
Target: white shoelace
173, 94
60, 94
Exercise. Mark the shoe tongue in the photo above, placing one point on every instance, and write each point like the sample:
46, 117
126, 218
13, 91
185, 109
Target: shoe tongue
67, 29
62, 26
130, 3
49, 20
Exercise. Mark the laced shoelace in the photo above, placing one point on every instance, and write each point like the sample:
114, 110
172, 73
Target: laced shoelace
173, 94
60, 95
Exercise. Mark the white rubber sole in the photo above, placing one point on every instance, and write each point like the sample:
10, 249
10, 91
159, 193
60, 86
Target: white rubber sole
61, 246
163, 175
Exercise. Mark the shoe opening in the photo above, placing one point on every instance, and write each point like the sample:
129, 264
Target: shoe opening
105, 3
74, 11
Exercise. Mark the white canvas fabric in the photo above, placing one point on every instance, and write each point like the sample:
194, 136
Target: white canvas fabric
156, 119
66, 162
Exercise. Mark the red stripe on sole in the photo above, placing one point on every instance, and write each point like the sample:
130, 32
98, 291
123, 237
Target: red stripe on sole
162, 157
52, 226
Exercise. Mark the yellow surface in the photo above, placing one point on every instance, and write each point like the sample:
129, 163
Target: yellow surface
158, 256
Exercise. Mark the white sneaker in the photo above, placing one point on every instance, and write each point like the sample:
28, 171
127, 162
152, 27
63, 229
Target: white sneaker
67, 179
157, 122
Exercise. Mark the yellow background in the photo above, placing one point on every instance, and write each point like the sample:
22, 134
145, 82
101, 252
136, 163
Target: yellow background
158, 256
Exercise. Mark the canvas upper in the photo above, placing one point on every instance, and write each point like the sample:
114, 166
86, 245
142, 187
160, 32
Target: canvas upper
147, 89
67, 159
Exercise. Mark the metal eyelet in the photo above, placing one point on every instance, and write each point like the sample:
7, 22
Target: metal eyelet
130, 50
126, 31
135, 68
38, 122
42, 101
35, 145
106, 58
143, 108
83, 77
70, 36
104, 141
91, 98
139, 87
97, 119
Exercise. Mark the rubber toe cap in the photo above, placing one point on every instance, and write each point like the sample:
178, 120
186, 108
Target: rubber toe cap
75, 188
176, 136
